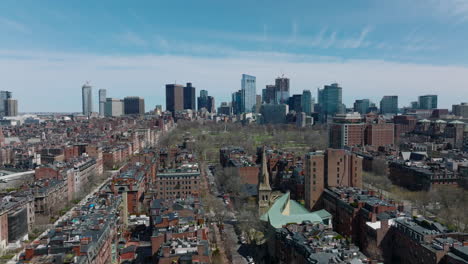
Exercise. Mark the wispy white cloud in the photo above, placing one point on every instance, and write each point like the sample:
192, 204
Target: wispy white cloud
330, 41
323, 38
414, 41
13, 25
360, 41
456, 9
132, 39
294, 30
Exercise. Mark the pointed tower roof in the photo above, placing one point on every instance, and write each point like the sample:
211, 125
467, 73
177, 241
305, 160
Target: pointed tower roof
264, 184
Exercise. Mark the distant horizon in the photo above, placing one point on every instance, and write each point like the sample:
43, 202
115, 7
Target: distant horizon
371, 48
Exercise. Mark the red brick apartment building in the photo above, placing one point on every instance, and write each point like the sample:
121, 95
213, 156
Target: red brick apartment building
335, 167
355, 130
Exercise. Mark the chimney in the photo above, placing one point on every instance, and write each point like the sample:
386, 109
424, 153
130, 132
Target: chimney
201, 249
166, 251
373, 217
446, 247
384, 224
168, 236
29, 253
401, 207
156, 242
76, 250
85, 240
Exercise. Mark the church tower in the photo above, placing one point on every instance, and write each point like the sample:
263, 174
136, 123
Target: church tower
264, 189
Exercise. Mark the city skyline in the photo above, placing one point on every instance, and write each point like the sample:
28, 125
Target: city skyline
236, 132
363, 47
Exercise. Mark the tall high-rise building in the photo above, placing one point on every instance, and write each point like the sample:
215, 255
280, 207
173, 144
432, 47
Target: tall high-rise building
11, 107
281, 90
295, 103
330, 101
389, 105
4, 95
202, 100
274, 113
203, 93
346, 130
362, 106
87, 99
134, 105
249, 93
258, 103
427, 101
269, 94
460, 110
225, 108
211, 104
307, 103
314, 178
333, 168
102, 102
378, 132
189, 97
174, 98
113, 107
237, 102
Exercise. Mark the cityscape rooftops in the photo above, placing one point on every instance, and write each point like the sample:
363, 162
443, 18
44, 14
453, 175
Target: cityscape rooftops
318, 244
84, 230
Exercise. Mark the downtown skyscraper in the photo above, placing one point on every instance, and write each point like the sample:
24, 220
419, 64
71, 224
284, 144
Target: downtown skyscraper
114, 107
179, 98
281, 90
4, 96
307, 103
11, 107
174, 98
427, 101
102, 102
134, 105
87, 99
361, 106
389, 105
330, 101
248, 93
205, 101
189, 97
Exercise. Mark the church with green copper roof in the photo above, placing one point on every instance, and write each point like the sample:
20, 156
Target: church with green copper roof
285, 211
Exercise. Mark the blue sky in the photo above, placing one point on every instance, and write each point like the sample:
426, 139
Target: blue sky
372, 48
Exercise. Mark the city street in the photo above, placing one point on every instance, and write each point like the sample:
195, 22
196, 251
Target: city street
229, 236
